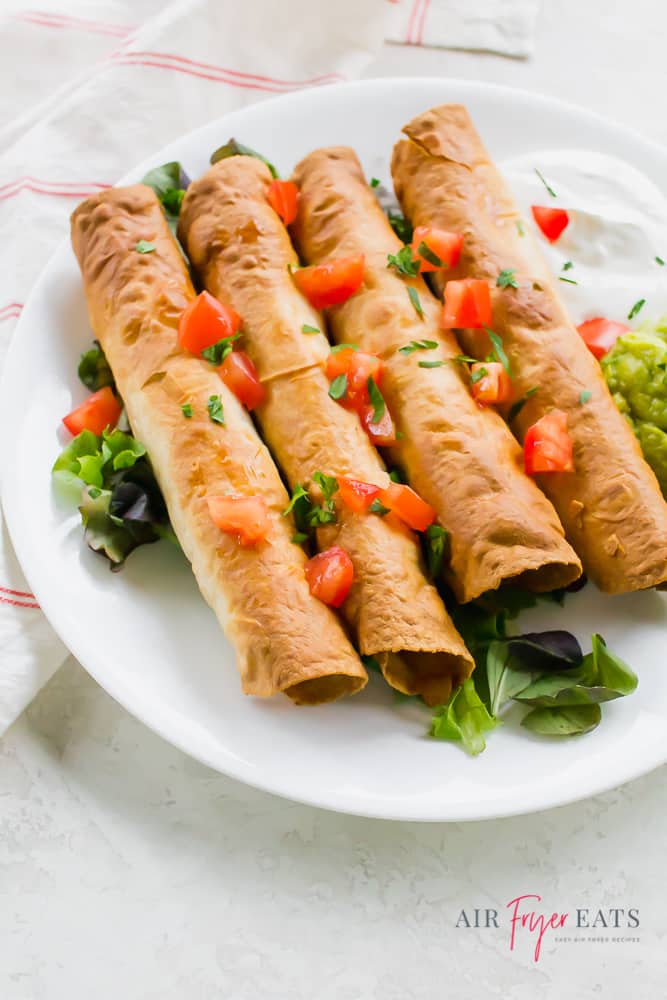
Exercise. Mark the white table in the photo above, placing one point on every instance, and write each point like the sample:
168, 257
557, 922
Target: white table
129, 871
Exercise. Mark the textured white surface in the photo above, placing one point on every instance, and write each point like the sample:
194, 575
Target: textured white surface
128, 871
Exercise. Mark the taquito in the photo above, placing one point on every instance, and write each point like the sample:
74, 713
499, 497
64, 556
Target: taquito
464, 461
285, 639
242, 253
611, 506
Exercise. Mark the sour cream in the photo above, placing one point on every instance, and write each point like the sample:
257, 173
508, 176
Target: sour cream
618, 226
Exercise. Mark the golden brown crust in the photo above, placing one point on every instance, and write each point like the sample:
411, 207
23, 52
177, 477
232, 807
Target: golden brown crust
242, 253
463, 461
611, 506
285, 639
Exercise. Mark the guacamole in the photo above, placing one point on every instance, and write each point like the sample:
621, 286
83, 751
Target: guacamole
636, 373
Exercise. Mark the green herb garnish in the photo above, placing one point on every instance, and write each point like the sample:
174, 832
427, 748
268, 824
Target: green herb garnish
567, 265
430, 364
400, 225
376, 399
507, 278
659, 261
344, 347
519, 225
464, 359
186, 410
374, 182
570, 281
416, 302
498, 349
478, 375
378, 508
143, 246
299, 537
549, 189
94, 370
585, 396
215, 410
516, 408
436, 539
234, 148
298, 493
418, 345
217, 352
307, 328
636, 307
338, 388
404, 262
425, 251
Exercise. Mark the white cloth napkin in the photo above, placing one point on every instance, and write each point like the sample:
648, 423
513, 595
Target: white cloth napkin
87, 89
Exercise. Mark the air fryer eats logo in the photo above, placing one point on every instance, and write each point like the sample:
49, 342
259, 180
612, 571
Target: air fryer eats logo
529, 923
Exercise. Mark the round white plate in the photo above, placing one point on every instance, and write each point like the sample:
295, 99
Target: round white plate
147, 636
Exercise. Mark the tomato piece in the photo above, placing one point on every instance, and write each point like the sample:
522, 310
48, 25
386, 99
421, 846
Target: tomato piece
408, 505
494, 386
282, 197
356, 494
552, 221
382, 433
359, 367
601, 334
548, 446
330, 575
240, 375
205, 322
447, 246
99, 411
246, 517
331, 283
467, 305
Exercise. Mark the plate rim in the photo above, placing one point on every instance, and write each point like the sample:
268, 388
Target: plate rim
336, 800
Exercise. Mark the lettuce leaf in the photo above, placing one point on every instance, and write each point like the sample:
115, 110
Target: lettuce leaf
463, 719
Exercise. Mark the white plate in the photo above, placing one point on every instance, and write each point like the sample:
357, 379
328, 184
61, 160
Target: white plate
147, 636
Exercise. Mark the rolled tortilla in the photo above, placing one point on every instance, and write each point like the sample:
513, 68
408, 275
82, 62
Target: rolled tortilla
242, 253
285, 639
462, 460
611, 506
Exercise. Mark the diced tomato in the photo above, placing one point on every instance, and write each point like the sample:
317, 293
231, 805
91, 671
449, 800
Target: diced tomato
467, 305
330, 575
408, 505
205, 322
359, 367
552, 221
282, 197
601, 334
246, 517
356, 494
240, 375
494, 386
330, 283
99, 411
446, 246
548, 446
382, 433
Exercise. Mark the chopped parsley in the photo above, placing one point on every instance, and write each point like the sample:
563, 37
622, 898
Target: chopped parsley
516, 408
425, 251
186, 410
585, 396
567, 265
299, 537
430, 364
396, 476
376, 399
215, 410
143, 246
659, 261
570, 281
547, 186
416, 302
374, 182
298, 493
344, 347
326, 513
378, 508
636, 308
307, 328
435, 543
507, 279
418, 345
478, 375
217, 353
404, 262
338, 388
498, 349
